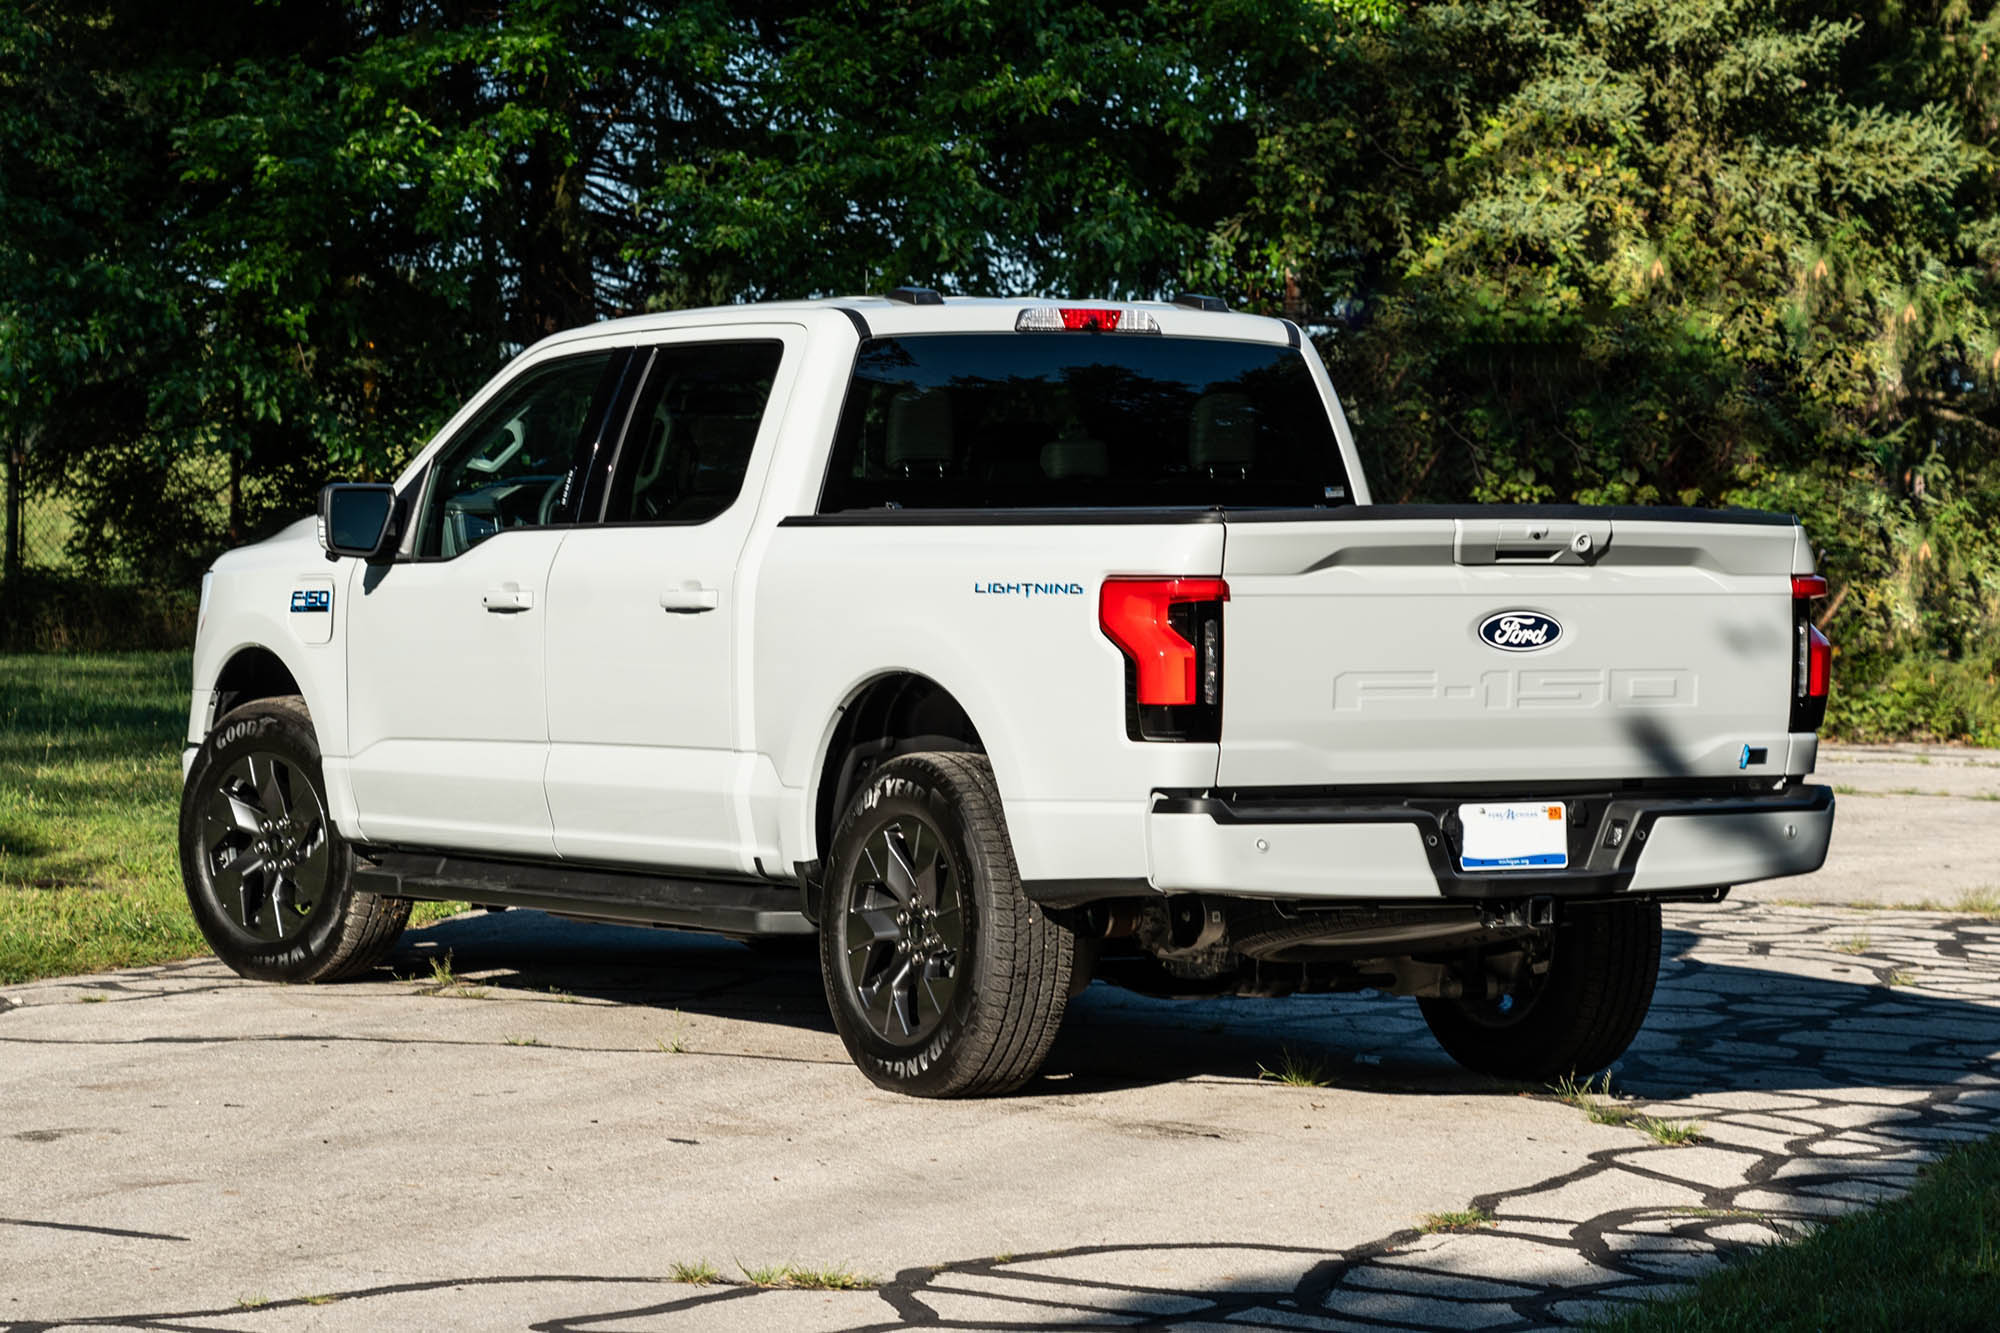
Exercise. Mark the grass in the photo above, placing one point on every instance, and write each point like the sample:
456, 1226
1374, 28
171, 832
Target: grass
1295, 1071
1858, 945
1465, 1219
1901, 976
89, 796
1930, 1260
1981, 902
524, 1041
700, 1273
1588, 1098
446, 984
90, 780
806, 1278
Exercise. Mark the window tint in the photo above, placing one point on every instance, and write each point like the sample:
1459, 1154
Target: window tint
1021, 420
520, 462
692, 430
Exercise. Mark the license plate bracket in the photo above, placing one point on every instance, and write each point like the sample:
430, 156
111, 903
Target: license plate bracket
1507, 836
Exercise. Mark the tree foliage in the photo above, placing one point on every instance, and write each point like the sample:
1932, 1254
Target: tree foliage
1632, 251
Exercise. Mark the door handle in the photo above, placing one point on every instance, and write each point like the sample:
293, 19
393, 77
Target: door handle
688, 599
505, 597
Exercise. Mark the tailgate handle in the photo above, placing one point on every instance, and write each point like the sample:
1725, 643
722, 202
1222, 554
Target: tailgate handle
1529, 541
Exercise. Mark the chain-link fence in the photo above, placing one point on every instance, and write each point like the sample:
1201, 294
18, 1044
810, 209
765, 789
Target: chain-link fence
35, 527
48, 603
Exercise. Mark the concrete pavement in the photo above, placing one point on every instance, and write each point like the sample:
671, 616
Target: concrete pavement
540, 1145
588, 1115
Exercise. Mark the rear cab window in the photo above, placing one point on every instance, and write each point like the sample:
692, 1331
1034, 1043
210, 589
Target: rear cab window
1081, 420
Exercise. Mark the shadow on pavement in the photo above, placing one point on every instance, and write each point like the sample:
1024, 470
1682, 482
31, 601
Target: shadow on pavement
1812, 1015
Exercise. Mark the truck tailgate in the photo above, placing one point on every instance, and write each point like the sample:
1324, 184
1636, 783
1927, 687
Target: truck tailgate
1418, 646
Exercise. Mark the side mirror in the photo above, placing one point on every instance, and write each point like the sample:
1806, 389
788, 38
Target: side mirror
357, 518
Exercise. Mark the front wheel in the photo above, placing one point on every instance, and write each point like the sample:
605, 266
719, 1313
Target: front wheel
943, 978
1574, 1018
265, 870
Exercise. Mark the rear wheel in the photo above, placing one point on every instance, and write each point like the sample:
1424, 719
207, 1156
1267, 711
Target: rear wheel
943, 978
266, 872
1574, 1018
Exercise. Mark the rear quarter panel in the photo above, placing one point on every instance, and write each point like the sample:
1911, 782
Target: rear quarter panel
841, 606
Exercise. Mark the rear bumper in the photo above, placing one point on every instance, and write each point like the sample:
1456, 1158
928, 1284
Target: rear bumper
1377, 848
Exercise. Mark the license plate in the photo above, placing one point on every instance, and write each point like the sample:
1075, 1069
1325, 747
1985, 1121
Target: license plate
1514, 835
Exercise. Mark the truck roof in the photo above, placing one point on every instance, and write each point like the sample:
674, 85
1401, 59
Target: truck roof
883, 316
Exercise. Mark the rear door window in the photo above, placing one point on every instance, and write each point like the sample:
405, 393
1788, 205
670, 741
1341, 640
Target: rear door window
1068, 420
692, 431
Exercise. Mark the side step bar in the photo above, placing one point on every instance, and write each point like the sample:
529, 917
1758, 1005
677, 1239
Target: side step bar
723, 907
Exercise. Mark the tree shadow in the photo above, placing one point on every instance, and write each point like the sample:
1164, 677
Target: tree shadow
1795, 1010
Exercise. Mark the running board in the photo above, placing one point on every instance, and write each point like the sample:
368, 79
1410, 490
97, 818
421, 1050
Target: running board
721, 906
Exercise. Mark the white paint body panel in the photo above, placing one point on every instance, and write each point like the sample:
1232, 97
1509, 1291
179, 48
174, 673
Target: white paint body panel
1376, 862
646, 762
1732, 849
448, 731
1354, 657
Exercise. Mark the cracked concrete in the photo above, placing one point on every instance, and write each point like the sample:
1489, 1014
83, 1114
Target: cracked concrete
541, 1145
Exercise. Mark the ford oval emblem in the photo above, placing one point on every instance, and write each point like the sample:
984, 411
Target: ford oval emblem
1520, 631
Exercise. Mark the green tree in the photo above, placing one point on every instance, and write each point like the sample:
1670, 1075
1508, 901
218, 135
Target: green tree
1665, 251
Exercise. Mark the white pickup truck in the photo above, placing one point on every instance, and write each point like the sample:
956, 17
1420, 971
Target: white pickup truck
1004, 643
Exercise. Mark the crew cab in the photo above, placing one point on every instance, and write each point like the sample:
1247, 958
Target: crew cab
1003, 644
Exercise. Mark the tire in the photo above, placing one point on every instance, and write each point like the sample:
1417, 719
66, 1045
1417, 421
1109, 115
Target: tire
943, 978
1579, 1016
256, 794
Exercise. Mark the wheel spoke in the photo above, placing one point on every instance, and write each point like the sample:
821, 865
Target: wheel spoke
264, 781
922, 868
310, 870
898, 876
877, 1002
233, 883
937, 986
261, 895
902, 991
876, 923
236, 798
283, 781
221, 822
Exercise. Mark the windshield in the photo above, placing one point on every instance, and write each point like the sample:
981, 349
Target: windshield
1070, 420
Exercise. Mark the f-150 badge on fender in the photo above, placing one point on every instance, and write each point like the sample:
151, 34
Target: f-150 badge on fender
1520, 631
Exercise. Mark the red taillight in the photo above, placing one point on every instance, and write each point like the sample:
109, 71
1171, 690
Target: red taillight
1819, 663
1091, 317
1812, 661
1134, 615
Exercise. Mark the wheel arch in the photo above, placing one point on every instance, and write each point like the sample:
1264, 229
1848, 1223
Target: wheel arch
252, 672
892, 713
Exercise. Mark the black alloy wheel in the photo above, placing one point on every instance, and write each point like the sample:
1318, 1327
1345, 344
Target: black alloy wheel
264, 845
903, 932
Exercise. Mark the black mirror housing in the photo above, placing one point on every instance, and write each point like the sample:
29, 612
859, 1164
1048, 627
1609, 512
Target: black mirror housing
358, 519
